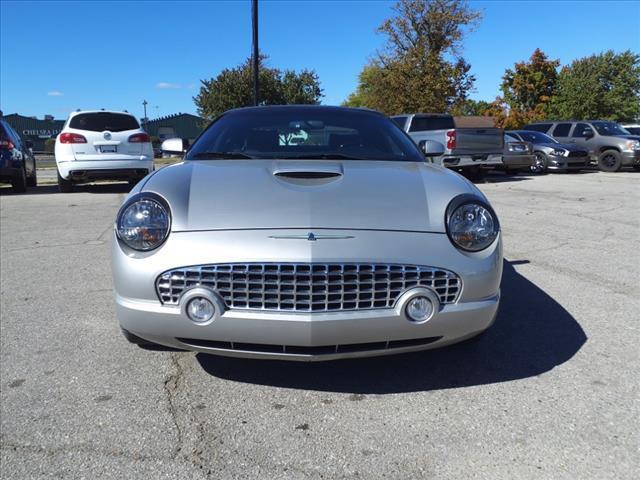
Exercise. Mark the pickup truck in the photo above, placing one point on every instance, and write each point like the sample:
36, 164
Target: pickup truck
465, 149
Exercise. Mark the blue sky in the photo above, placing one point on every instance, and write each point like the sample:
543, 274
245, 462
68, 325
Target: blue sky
59, 56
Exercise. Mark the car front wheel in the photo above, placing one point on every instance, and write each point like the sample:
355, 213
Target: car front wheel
539, 163
610, 161
65, 186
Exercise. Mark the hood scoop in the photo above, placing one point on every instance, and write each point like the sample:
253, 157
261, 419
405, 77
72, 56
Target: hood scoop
311, 172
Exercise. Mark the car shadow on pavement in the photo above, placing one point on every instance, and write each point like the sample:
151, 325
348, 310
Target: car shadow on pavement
53, 189
531, 335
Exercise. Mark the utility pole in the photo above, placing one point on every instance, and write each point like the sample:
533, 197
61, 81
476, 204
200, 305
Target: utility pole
144, 104
255, 59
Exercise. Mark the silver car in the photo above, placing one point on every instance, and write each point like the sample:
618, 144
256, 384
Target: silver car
305, 233
551, 155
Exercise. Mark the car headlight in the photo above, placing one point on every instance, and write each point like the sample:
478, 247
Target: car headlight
143, 223
558, 153
472, 225
633, 145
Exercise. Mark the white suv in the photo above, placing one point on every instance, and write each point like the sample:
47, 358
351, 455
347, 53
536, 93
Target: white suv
102, 145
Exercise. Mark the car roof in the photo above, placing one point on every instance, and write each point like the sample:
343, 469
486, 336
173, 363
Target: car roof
78, 112
570, 121
276, 108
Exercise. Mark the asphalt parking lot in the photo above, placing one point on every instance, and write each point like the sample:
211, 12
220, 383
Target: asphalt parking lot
551, 391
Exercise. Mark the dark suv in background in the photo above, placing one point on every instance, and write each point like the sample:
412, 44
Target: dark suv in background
17, 163
608, 143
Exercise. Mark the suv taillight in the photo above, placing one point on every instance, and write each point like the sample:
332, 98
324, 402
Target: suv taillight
451, 139
6, 144
72, 138
140, 138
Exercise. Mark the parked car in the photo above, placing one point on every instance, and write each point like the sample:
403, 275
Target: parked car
349, 244
102, 145
607, 142
632, 128
518, 154
17, 162
465, 149
551, 154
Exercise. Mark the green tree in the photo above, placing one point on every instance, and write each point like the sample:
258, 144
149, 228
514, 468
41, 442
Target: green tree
603, 86
233, 88
471, 107
530, 85
420, 68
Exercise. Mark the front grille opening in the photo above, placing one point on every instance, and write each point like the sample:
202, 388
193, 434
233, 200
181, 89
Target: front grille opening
303, 350
303, 287
308, 175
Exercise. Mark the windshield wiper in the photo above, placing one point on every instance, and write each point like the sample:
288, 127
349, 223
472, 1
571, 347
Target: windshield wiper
222, 155
321, 156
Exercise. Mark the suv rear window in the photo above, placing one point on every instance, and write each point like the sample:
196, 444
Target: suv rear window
101, 121
538, 127
422, 124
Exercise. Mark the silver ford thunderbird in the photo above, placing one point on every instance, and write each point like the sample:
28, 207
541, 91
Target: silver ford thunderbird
305, 233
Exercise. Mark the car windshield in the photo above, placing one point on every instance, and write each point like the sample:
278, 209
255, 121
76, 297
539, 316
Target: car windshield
537, 137
633, 130
304, 133
609, 128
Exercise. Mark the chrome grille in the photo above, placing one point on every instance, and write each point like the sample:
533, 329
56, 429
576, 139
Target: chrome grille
307, 287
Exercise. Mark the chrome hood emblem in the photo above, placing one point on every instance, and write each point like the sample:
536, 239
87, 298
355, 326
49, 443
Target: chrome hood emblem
107, 136
311, 237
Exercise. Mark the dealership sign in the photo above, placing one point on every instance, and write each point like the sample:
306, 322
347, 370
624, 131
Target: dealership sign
40, 133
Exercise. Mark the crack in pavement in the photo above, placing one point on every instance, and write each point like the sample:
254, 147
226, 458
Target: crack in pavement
190, 431
82, 448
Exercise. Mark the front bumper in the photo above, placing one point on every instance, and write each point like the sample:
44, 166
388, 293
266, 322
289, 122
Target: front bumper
513, 162
306, 336
631, 158
468, 161
82, 171
567, 163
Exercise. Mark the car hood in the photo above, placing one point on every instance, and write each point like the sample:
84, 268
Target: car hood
272, 194
567, 146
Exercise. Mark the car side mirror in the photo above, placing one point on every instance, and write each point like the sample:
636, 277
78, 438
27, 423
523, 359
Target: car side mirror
431, 148
587, 133
173, 147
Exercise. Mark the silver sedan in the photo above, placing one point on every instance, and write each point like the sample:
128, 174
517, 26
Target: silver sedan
305, 233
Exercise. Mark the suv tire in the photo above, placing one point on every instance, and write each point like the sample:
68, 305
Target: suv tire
32, 181
19, 182
65, 186
610, 161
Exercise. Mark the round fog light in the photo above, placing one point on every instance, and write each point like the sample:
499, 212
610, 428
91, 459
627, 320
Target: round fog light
200, 310
419, 309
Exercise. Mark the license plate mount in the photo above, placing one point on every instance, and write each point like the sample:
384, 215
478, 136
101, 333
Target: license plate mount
108, 149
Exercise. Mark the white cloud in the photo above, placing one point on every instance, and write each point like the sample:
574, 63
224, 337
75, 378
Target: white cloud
55, 93
165, 85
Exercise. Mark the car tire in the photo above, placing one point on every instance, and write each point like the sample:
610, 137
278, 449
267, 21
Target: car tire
65, 186
475, 174
610, 161
636, 167
136, 340
19, 182
133, 182
32, 181
539, 163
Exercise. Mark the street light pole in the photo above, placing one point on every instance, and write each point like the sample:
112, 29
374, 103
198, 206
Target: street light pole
144, 104
255, 59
